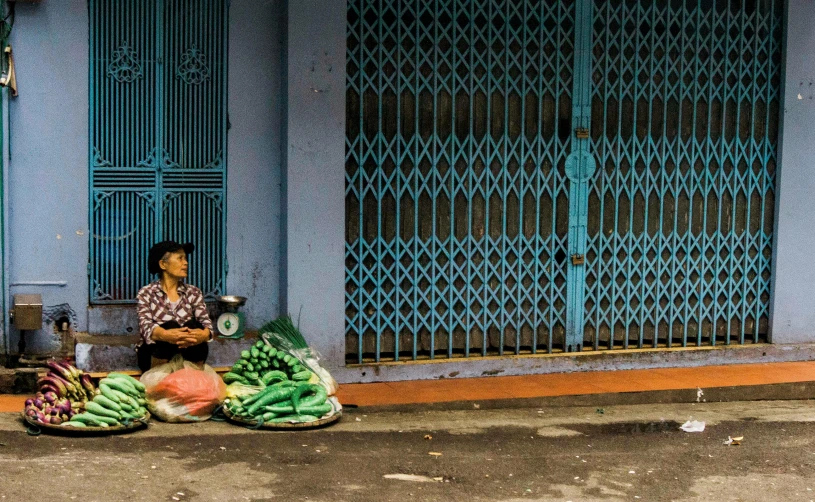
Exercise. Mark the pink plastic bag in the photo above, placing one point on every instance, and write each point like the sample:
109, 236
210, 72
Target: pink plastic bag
179, 391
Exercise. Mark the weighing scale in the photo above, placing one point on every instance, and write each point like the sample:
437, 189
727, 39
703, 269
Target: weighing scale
231, 323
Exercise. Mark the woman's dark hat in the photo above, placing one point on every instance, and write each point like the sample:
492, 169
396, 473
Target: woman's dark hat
158, 251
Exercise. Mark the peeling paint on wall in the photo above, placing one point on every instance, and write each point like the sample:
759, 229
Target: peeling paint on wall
58, 313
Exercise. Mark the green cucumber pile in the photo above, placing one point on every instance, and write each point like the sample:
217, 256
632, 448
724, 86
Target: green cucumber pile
263, 365
283, 401
278, 388
120, 400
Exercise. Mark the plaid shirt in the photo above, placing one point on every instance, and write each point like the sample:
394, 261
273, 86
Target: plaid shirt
155, 309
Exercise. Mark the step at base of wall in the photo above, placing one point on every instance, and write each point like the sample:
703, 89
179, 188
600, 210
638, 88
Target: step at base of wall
19, 380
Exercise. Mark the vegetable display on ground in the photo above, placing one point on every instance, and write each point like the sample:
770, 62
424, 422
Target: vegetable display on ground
68, 398
273, 381
120, 401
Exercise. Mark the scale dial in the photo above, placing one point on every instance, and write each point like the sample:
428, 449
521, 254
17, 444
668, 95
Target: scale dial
228, 323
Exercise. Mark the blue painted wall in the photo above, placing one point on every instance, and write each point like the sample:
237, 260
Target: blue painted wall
48, 165
793, 306
254, 149
314, 174
48, 169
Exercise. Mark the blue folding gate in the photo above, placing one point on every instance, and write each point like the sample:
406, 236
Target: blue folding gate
528, 176
685, 103
157, 140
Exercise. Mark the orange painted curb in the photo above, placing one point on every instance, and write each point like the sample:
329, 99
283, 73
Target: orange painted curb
573, 384
558, 384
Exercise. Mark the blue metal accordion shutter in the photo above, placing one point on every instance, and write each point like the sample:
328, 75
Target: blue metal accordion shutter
457, 207
534, 176
157, 140
685, 105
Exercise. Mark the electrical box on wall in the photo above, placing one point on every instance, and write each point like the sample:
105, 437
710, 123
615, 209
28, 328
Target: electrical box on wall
27, 312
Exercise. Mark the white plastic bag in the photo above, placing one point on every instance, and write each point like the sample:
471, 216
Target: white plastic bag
308, 357
693, 426
311, 360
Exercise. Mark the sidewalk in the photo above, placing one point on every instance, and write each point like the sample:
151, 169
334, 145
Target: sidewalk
613, 385
750, 381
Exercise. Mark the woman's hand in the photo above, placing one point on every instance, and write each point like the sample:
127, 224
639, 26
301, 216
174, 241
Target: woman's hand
183, 337
193, 337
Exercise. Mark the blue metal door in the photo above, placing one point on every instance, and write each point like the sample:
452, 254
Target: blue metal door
157, 141
531, 176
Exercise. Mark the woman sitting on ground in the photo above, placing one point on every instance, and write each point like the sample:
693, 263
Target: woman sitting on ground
173, 317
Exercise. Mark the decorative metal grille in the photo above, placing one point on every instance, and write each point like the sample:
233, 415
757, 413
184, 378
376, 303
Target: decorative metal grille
158, 136
685, 100
472, 198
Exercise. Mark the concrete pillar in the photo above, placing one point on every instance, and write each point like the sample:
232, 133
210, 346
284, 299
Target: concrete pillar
253, 160
792, 314
314, 174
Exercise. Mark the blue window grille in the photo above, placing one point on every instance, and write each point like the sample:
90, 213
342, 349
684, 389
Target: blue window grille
535, 176
157, 140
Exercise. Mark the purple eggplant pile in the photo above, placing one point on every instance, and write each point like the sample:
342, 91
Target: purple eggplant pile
65, 380
47, 408
64, 391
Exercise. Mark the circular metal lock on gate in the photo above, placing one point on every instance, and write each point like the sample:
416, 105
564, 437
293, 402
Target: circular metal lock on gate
573, 162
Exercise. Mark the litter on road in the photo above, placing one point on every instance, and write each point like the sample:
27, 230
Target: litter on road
412, 477
693, 426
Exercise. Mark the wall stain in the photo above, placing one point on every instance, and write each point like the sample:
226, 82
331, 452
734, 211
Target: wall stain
491, 372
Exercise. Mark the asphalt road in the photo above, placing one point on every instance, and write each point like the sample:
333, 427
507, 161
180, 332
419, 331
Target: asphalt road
578, 454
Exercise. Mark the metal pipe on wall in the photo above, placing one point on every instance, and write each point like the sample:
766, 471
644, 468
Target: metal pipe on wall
5, 156
59, 284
